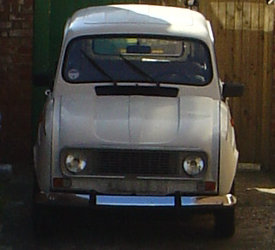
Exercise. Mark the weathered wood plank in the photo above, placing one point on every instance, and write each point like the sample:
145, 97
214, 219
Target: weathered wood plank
230, 73
222, 46
256, 76
203, 8
248, 108
267, 80
236, 66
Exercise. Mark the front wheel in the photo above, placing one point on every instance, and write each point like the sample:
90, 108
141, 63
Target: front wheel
225, 222
43, 217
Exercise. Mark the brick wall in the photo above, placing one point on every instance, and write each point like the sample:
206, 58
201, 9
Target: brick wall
272, 156
16, 20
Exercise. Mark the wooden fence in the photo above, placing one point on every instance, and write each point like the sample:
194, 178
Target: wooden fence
244, 43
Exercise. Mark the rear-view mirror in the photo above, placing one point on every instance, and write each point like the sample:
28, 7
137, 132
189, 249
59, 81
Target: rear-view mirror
139, 49
232, 90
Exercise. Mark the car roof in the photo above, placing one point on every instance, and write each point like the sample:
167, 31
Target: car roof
138, 18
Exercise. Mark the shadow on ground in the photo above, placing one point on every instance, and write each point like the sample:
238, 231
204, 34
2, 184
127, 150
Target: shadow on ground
121, 229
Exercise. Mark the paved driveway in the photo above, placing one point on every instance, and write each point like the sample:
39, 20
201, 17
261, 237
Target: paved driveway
78, 229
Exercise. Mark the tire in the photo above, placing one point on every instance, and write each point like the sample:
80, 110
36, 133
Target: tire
43, 217
225, 222
40, 219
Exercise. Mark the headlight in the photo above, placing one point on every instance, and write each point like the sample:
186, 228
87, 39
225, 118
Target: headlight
193, 165
75, 163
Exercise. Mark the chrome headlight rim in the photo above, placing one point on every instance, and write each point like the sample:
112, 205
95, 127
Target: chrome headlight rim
75, 163
194, 164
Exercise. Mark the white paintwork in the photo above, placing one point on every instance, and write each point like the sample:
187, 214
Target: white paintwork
228, 152
138, 120
198, 119
137, 18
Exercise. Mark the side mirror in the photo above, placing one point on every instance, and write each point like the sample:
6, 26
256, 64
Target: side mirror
42, 80
232, 90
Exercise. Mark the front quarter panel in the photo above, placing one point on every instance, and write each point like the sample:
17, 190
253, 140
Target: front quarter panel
228, 152
42, 148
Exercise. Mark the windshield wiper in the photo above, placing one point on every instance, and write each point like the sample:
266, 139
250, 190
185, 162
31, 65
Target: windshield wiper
101, 70
139, 70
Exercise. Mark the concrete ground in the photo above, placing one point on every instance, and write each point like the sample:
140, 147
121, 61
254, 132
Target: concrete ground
255, 223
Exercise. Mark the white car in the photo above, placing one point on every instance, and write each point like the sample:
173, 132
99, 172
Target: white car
138, 115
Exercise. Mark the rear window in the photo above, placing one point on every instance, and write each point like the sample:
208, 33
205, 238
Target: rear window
137, 59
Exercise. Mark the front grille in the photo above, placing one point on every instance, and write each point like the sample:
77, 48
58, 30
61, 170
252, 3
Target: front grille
128, 162
136, 163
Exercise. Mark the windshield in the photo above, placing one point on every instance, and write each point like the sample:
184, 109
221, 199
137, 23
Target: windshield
137, 59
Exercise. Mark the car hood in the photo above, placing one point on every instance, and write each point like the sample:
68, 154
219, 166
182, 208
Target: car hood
138, 121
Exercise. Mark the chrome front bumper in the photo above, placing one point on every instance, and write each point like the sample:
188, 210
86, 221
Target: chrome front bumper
93, 200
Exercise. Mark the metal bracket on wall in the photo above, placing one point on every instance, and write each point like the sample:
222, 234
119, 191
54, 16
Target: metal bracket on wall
191, 3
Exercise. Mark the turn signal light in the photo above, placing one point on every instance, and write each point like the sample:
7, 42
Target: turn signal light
62, 182
210, 186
